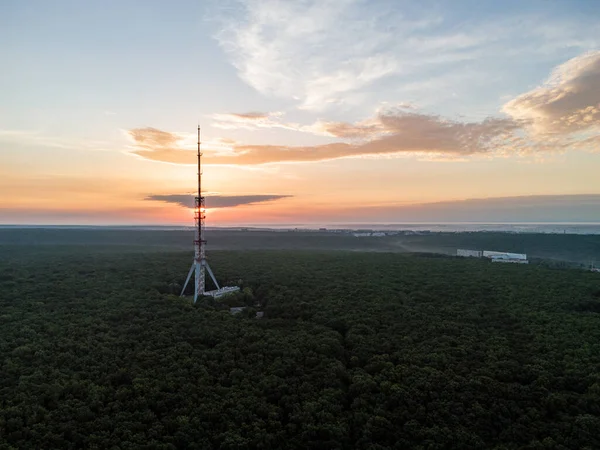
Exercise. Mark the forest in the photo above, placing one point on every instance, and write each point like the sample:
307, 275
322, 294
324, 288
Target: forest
564, 250
356, 350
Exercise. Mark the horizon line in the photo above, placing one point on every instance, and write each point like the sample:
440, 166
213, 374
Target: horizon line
289, 225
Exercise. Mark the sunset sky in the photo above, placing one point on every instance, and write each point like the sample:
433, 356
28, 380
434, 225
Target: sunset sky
312, 112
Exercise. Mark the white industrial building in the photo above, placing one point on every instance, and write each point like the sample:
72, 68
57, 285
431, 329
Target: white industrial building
222, 291
518, 258
469, 253
514, 261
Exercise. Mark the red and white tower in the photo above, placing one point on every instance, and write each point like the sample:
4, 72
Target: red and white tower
200, 263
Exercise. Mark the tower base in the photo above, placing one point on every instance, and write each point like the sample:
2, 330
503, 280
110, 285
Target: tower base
223, 291
198, 267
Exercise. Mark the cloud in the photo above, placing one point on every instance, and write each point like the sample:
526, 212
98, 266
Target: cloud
393, 134
392, 131
152, 137
215, 201
319, 53
257, 120
345, 130
568, 102
250, 115
37, 138
251, 121
562, 114
299, 50
159, 145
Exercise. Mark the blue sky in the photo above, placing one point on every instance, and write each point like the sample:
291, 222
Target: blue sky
317, 104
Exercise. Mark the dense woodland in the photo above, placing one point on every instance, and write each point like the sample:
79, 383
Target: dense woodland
365, 350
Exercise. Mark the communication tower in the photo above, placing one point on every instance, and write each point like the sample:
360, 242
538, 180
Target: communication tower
200, 263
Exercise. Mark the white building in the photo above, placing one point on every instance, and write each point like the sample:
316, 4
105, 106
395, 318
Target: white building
518, 258
469, 253
222, 291
514, 261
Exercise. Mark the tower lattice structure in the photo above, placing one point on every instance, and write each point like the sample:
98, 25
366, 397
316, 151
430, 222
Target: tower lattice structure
200, 264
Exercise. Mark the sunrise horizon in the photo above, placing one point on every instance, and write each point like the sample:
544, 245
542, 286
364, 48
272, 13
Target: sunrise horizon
421, 113
547, 209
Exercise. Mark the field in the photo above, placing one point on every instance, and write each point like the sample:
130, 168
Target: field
357, 349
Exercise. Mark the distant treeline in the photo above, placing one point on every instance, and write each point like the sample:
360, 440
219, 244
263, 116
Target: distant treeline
577, 248
572, 248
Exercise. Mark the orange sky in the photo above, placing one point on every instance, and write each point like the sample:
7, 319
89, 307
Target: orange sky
300, 125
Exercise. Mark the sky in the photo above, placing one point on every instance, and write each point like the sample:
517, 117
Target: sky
312, 112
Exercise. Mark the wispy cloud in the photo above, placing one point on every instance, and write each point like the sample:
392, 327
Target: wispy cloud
391, 132
254, 115
177, 148
258, 120
562, 114
215, 201
318, 53
38, 138
251, 121
299, 50
152, 143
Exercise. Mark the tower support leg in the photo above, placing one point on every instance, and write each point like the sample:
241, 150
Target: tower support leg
212, 276
187, 280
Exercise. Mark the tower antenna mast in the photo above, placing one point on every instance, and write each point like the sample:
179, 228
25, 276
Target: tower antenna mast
200, 263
